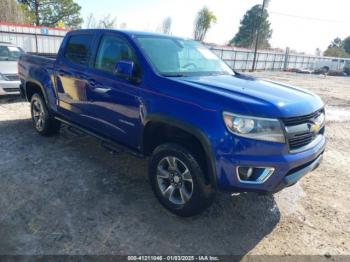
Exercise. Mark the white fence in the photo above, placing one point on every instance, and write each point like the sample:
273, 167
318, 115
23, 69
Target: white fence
32, 39
242, 59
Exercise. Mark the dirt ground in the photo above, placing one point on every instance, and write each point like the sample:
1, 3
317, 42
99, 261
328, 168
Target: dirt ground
67, 195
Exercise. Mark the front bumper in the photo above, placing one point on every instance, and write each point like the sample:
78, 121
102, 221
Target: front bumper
288, 167
9, 87
293, 177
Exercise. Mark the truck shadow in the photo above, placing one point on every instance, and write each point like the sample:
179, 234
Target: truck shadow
8, 99
102, 204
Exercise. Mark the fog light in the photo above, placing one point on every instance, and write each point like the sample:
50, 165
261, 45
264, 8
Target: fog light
245, 172
255, 175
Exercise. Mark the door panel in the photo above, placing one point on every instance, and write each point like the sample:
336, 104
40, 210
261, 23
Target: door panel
71, 86
115, 105
72, 79
115, 101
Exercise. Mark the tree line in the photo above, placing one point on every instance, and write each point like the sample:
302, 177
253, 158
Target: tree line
339, 48
48, 13
66, 13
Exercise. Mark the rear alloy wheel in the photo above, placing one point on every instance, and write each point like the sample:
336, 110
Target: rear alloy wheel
178, 181
43, 122
38, 115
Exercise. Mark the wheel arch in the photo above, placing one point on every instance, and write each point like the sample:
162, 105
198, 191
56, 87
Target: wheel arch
31, 86
189, 129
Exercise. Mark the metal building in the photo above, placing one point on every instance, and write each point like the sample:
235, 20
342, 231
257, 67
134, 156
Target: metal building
32, 39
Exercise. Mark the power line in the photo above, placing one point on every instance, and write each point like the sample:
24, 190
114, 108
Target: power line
307, 17
265, 3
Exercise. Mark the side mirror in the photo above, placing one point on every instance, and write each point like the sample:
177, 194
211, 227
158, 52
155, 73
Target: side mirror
124, 69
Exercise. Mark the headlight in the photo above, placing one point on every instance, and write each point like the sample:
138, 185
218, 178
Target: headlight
254, 127
2, 77
320, 120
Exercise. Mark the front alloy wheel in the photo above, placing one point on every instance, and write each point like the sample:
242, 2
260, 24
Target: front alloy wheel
174, 180
178, 180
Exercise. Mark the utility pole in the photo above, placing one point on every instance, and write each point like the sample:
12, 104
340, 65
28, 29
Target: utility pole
265, 2
36, 6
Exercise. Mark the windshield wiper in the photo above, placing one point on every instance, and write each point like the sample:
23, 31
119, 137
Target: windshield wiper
243, 76
173, 75
217, 73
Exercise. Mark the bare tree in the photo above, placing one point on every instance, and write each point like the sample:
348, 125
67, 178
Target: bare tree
123, 25
107, 22
166, 25
318, 51
204, 20
11, 11
104, 22
90, 21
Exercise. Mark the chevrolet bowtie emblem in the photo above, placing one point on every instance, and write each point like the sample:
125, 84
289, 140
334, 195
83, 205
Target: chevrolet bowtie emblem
314, 127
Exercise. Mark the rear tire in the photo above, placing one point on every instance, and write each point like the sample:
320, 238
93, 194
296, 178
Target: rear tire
178, 181
43, 121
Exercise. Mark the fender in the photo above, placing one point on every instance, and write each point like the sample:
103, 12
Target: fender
43, 90
199, 134
37, 83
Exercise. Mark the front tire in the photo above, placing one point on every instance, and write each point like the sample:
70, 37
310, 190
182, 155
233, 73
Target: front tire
178, 181
44, 122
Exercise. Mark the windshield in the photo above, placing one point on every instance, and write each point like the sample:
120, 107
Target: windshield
10, 53
179, 57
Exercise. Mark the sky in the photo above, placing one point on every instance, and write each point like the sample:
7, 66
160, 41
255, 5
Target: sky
302, 25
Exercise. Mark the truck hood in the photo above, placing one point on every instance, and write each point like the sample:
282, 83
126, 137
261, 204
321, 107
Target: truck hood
8, 67
258, 97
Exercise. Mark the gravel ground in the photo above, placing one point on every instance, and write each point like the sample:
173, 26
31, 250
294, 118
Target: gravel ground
67, 195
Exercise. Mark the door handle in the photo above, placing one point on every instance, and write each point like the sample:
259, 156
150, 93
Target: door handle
101, 90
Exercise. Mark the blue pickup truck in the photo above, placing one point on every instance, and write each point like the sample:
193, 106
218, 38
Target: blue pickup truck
203, 126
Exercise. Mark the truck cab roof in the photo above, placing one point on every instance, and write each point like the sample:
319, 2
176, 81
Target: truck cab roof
130, 33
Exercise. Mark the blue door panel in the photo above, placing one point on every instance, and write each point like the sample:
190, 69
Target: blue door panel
115, 106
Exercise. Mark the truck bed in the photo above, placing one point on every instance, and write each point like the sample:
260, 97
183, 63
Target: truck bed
37, 59
44, 55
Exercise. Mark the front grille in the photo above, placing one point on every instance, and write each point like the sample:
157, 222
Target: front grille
304, 135
297, 120
12, 77
300, 140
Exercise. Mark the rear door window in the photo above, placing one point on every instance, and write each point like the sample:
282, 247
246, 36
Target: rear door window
78, 49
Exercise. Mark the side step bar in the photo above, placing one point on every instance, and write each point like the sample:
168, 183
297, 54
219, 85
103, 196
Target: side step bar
105, 142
